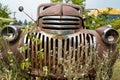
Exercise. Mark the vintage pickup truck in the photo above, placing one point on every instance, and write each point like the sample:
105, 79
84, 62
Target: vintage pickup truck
65, 47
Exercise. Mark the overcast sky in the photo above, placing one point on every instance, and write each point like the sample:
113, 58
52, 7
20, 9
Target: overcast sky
30, 6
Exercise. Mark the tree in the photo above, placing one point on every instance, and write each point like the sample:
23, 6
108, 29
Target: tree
25, 22
54, 1
19, 22
79, 2
4, 11
4, 15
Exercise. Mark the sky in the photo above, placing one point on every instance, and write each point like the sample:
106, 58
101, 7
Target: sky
30, 6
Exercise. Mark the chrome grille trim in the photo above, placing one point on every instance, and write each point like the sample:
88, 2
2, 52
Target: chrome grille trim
25, 43
61, 25
56, 49
60, 22
60, 17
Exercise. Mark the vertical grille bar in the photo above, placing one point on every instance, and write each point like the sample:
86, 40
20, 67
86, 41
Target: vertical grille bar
26, 43
54, 52
91, 43
50, 52
94, 43
70, 49
34, 43
82, 46
45, 54
32, 51
37, 49
65, 50
74, 45
60, 51
28, 51
41, 49
78, 48
86, 53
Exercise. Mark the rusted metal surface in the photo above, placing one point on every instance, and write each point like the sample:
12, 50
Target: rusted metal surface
63, 38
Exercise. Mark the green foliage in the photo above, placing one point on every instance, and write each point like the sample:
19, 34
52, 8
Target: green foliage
93, 22
23, 48
9, 70
115, 23
116, 70
54, 1
25, 22
4, 13
25, 65
32, 24
79, 2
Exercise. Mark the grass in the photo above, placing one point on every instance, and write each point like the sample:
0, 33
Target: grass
8, 74
116, 70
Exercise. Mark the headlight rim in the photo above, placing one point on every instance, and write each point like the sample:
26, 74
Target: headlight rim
115, 35
14, 31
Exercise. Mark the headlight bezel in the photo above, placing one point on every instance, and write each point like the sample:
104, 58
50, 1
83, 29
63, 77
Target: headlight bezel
110, 36
9, 33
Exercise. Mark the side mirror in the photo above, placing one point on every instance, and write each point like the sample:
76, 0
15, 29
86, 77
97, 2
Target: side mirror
21, 8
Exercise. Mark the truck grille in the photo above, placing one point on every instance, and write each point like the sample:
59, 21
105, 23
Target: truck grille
54, 50
61, 24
